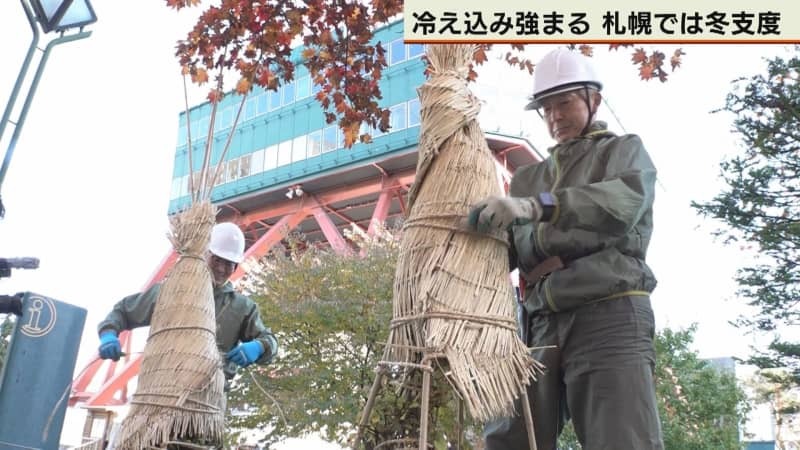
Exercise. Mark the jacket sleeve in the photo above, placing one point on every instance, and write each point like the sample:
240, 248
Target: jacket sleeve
615, 204
131, 312
253, 329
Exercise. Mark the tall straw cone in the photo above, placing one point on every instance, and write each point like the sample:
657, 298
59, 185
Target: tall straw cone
180, 390
453, 299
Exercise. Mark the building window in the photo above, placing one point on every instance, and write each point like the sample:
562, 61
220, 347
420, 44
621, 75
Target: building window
195, 129
257, 162
202, 131
244, 166
415, 50
299, 148
329, 138
270, 157
195, 181
288, 93
250, 108
303, 87
274, 100
284, 153
233, 170
262, 103
175, 192
413, 112
397, 51
398, 117
314, 144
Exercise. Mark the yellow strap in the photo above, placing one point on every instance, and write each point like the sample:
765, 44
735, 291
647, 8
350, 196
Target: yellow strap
631, 293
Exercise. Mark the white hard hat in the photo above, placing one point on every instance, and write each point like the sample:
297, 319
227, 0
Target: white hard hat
559, 71
227, 242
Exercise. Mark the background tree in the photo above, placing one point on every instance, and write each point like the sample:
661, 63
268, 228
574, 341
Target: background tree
331, 314
777, 389
701, 407
6, 327
254, 41
760, 205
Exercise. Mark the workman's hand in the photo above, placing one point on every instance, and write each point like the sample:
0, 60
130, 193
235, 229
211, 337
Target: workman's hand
502, 212
109, 345
246, 353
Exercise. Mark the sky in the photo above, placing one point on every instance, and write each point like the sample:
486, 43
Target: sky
88, 186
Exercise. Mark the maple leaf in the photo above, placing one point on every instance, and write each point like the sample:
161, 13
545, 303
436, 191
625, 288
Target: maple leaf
309, 53
586, 50
214, 95
646, 71
351, 134
480, 56
200, 76
675, 60
243, 86
639, 56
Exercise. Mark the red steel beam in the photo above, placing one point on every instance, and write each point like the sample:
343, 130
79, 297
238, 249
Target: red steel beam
105, 395
272, 237
381, 210
344, 193
338, 214
330, 231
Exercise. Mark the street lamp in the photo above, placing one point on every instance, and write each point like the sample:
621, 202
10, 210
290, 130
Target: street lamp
52, 15
60, 15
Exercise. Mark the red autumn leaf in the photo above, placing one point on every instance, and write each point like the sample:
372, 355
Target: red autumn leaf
675, 60
639, 56
243, 86
200, 76
586, 50
350, 134
480, 56
214, 95
646, 71
309, 53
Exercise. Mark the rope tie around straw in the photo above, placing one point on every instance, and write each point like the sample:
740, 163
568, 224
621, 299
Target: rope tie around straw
496, 321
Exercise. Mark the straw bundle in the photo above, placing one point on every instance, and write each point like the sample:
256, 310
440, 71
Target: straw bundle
453, 298
180, 391
180, 396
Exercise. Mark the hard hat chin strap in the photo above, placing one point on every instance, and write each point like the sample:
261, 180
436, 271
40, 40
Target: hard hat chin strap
588, 100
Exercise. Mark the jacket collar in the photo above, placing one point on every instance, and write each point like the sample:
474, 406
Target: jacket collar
224, 289
597, 129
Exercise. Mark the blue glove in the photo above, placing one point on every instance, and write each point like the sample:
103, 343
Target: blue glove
109, 345
246, 353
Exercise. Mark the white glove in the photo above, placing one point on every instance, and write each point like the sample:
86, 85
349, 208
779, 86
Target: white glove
502, 212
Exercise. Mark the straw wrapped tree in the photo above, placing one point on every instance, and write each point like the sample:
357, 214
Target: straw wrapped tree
453, 300
179, 397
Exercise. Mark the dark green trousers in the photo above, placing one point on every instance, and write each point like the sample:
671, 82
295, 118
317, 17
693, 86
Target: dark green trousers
600, 375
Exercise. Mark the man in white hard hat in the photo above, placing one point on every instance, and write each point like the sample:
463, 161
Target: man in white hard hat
579, 226
241, 335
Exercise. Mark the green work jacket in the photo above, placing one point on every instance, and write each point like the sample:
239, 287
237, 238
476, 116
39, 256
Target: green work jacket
603, 186
238, 320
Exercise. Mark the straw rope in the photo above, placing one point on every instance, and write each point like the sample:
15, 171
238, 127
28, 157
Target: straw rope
180, 392
453, 300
